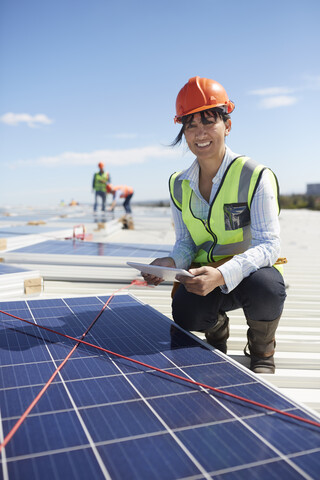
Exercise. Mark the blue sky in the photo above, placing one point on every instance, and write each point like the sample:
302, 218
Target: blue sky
96, 80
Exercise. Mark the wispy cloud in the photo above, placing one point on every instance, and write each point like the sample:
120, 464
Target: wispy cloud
272, 91
275, 97
14, 119
277, 101
129, 156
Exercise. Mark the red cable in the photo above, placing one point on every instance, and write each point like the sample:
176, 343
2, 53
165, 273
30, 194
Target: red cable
55, 373
35, 401
209, 387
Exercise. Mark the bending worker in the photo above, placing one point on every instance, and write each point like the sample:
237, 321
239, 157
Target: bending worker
120, 191
99, 183
225, 211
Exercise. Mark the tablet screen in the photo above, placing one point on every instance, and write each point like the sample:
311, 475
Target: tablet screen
162, 272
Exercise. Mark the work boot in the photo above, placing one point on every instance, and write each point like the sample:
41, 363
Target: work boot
127, 222
261, 345
218, 335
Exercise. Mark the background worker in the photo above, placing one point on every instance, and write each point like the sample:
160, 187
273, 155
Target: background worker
225, 212
99, 183
120, 191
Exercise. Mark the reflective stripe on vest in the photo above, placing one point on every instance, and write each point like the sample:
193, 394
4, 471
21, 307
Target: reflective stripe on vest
226, 231
100, 181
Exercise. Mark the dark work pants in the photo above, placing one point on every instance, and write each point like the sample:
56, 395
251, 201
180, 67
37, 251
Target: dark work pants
103, 196
126, 203
261, 296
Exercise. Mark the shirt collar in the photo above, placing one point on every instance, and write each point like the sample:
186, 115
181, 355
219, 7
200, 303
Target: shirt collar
192, 173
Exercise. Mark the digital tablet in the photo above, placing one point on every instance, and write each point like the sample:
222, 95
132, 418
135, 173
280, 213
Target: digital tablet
162, 272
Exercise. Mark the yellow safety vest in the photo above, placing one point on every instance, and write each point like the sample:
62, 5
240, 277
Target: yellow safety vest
100, 181
226, 231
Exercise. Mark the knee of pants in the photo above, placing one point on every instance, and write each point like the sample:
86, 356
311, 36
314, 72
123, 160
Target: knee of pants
193, 312
264, 298
181, 314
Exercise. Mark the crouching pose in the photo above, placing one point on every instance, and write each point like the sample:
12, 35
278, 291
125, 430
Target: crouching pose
225, 211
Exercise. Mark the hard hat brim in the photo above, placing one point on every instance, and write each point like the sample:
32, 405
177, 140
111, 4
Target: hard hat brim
228, 108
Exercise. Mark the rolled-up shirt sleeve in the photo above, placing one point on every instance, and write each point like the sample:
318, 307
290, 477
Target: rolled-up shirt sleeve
265, 243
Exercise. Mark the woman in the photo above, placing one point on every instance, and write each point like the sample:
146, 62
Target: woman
225, 211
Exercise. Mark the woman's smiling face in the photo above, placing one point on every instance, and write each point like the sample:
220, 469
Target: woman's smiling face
205, 135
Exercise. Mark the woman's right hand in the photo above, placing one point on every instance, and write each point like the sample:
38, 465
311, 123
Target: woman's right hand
162, 262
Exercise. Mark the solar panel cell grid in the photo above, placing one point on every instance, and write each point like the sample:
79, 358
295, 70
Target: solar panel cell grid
77, 247
25, 230
7, 269
109, 418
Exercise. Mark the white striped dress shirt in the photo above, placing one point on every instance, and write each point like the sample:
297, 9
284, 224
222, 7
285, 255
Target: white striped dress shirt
265, 229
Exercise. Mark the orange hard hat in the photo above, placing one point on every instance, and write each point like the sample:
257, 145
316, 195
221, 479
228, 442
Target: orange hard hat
201, 94
101, 165
109, 188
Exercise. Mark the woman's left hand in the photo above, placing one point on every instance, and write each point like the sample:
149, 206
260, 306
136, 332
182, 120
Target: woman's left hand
205, 280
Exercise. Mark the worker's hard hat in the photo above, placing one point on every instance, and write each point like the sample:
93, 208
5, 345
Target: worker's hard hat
101, 165
109, 188
201, 94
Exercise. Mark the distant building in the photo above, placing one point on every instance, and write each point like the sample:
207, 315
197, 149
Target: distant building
313, 189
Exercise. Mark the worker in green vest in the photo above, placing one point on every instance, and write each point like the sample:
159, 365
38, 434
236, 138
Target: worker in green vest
225, 210
99, 185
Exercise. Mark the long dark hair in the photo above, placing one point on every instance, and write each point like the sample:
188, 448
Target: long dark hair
215, 112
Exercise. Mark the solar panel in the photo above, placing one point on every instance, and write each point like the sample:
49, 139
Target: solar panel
15, 230
15, 237
84, 260
83, 216
16, 281
6, 269
77, 247
85, 254
26, 217
88, 218
104, 417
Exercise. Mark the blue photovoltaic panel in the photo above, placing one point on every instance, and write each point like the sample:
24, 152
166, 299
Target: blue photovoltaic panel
6, 269
78, 247
106, 418
27, 217
18, 230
